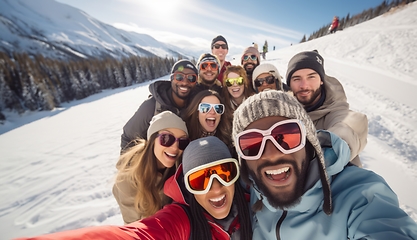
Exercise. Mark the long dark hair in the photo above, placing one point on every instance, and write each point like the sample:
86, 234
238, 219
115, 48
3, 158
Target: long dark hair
195, 130
197, 218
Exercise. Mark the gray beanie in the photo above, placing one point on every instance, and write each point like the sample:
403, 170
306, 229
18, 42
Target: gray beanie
163, 120
277, 103
202, 151
266, 68
309, 59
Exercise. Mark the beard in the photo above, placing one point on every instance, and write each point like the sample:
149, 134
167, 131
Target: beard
175, 89
285, 200
208, 82
308, 102
250, 71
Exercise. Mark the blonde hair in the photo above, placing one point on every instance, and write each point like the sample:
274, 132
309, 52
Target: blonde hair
138, 167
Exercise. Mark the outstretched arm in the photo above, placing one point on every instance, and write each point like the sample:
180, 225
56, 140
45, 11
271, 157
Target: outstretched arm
169, 223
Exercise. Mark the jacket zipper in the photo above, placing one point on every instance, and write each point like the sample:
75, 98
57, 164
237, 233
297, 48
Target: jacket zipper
279, 223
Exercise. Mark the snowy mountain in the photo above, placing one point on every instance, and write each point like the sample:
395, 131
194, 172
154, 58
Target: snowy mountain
58, 30
57, 167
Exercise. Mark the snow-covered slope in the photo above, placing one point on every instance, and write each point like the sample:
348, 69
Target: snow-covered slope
58, 30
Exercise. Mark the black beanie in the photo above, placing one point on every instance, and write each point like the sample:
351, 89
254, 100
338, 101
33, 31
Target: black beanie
183, 63
308, 59
219, 38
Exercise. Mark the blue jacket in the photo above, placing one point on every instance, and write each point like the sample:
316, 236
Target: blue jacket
364, 206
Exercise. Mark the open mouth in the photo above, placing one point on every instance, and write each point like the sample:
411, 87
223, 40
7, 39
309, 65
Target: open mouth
280, 174
211, 122
218, 202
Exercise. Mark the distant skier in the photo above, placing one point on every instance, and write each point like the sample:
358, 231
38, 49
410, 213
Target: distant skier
264, 50
335, 24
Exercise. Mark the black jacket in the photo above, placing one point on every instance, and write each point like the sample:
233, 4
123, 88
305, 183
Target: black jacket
161, 100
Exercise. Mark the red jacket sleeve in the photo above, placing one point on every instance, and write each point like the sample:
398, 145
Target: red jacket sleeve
171, 222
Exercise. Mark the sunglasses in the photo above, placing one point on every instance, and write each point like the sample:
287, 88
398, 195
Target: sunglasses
206, 107
251, 57
288, 136
200, 179
206, 65
269, 80
167, 139
231, 81
192, 78
217, 46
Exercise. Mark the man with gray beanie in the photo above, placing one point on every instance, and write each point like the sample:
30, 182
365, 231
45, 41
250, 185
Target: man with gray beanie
325, 101
303, 188
165, 95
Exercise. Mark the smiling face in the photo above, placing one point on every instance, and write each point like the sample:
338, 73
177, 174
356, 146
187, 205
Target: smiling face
305, 84
266, 85
181, 89
249, 65
220, 52
218, 201
235, 91
210, 120
279, 176
167, 156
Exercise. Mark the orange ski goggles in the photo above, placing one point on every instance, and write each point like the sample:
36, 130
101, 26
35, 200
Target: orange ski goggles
199, 180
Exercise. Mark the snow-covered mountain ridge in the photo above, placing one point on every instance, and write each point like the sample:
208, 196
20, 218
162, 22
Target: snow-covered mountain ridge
58, 30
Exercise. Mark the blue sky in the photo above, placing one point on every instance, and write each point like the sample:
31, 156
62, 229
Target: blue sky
193, 23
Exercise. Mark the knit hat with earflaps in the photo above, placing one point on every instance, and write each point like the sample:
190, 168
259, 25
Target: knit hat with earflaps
277, 103
202, 151
163, 120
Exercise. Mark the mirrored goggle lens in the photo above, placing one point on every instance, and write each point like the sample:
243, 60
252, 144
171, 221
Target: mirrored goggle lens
200, 179
192, 78
268, 80
205, 108
287, 135
247, 57
231, 81
167, 140
206, 65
